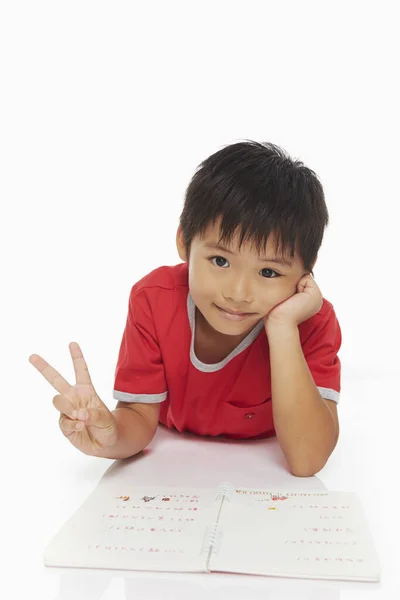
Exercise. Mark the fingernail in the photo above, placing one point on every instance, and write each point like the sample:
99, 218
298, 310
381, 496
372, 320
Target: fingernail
74, 414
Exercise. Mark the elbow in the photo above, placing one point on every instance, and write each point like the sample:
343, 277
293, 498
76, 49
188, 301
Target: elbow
306, 470
298, 472
308, 467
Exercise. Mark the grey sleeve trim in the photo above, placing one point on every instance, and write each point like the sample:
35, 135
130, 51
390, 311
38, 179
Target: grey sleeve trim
329, 394
142, 398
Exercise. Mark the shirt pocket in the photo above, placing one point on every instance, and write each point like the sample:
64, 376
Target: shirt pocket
246, 421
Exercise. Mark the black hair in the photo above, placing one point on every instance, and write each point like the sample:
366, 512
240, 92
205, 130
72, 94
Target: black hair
257, 189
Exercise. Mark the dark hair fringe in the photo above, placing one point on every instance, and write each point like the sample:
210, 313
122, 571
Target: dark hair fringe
258, 190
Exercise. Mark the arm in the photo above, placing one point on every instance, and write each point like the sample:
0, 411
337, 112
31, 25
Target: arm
306, 425
139, 371
136, 427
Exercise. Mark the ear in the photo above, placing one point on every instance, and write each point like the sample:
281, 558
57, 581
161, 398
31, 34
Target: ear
180, 245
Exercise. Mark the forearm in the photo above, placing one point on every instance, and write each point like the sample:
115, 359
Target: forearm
134, 434
304, 425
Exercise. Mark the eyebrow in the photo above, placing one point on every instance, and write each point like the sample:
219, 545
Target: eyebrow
279, 261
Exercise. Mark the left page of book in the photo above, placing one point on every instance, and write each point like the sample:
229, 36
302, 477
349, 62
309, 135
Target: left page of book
136, 528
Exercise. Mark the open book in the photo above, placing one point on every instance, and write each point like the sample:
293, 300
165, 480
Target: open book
228, 529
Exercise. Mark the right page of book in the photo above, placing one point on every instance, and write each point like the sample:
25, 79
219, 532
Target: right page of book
294, 534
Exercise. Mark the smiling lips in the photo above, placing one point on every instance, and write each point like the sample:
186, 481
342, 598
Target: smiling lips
233, 316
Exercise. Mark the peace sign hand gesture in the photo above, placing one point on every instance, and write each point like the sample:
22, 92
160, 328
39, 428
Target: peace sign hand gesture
84, 419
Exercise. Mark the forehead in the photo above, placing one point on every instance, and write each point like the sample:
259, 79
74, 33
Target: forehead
212, 237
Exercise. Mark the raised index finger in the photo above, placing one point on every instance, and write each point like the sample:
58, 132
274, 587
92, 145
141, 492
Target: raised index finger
53, 377
80, 366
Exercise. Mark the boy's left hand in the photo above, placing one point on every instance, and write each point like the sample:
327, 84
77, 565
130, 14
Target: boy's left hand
305, 303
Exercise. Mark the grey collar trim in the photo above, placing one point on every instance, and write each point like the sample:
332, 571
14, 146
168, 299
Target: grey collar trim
209, 368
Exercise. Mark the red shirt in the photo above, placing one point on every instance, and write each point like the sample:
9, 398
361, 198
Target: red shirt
156, 362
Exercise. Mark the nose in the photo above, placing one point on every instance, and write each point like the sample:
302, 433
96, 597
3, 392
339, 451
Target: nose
238, 292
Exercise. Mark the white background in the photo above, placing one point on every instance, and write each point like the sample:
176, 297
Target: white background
106, 110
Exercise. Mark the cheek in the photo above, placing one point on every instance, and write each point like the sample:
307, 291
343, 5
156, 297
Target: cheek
274, 294
201, 289
200, 282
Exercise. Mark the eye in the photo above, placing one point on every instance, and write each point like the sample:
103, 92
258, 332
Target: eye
270, 271
218, 258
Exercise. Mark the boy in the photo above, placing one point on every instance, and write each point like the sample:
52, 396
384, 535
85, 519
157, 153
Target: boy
236, 340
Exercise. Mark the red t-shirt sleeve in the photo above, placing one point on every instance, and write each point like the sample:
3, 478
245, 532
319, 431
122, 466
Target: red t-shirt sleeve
139, 374
320, 350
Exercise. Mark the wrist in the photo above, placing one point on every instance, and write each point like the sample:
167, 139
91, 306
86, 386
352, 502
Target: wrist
280, 328
133, 434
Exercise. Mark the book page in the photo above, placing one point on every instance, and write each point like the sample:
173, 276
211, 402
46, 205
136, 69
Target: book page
295, 535
126, 527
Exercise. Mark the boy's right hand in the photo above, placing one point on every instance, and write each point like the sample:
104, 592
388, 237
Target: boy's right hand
98, 429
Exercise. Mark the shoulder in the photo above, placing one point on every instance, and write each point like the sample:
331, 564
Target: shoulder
326, 312
324, 322
321, 328
166, 278
160, 294
323, 316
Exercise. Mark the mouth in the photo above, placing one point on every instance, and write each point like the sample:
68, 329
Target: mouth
233, 316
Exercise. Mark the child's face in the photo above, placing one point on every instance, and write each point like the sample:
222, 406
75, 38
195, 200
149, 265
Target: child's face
237, 281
